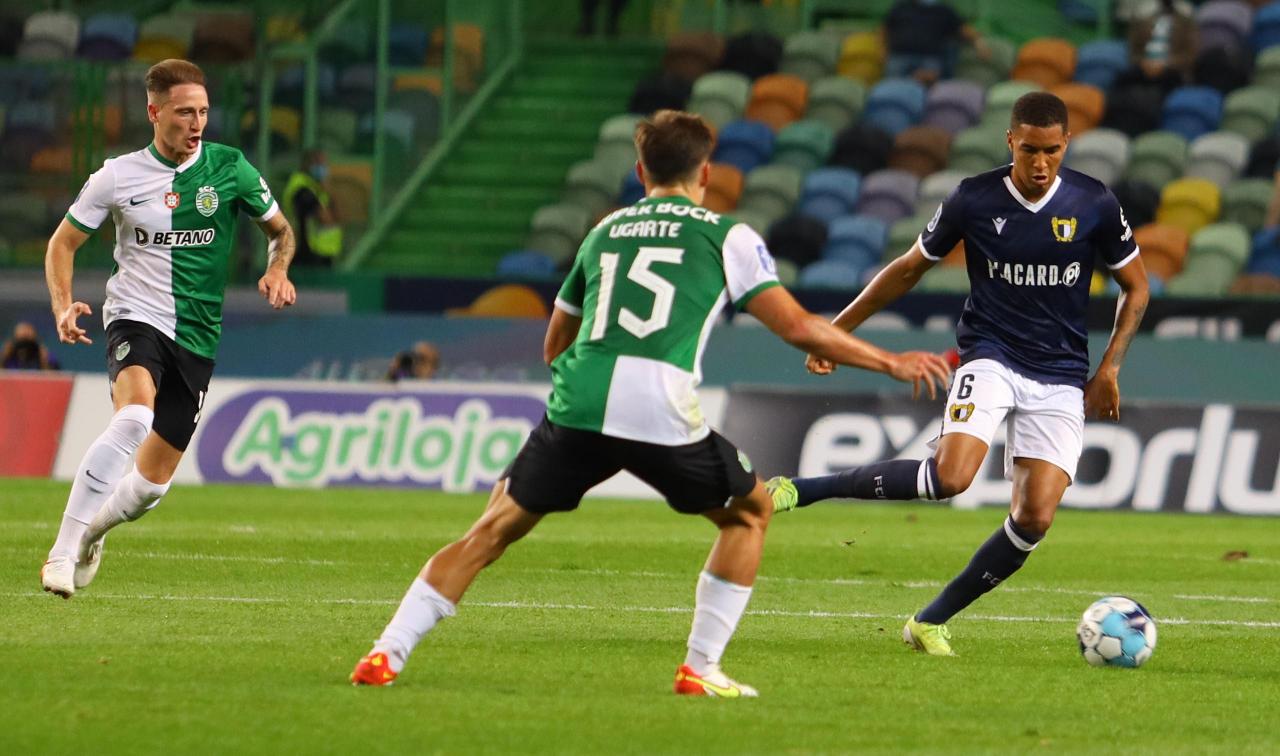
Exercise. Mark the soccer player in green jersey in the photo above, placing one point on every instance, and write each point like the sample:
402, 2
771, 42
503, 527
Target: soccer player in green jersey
175, 206
625, 345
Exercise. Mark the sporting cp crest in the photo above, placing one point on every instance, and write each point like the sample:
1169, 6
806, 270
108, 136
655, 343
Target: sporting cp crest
960, 413
171, 199
206, 201
1064, 229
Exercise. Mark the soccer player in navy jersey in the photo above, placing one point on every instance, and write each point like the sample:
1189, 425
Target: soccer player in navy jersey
1032, 232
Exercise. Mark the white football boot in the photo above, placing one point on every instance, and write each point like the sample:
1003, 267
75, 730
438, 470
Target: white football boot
58, 577
88, 562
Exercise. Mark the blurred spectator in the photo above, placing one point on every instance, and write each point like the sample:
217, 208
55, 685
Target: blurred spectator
418, 364
25, 352
1162, 47
922, 37
306, 204
1273, 209
588, 23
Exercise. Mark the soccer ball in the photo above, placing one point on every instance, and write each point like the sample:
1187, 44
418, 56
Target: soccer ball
1116, 632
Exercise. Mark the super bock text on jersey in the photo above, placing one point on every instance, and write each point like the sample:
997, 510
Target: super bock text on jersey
1030, 265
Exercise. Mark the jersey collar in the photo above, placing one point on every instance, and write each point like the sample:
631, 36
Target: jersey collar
167, 163
1036, 206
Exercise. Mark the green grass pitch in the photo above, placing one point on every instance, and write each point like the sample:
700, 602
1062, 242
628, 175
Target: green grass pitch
227, 622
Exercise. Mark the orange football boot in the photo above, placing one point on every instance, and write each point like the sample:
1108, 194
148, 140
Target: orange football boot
711, 683
373, 669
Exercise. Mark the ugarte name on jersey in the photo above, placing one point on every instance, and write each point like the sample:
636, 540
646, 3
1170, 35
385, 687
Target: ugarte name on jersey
655, 228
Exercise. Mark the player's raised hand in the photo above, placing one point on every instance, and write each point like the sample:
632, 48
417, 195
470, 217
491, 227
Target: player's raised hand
68, 331
277, 289
818, 366
1102, 396
921, 369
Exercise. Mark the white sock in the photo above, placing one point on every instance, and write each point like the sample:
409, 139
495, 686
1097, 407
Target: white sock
420, 610
719, 606
133, 497
102, 465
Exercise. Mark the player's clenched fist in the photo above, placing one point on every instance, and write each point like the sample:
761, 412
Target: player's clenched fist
68, 331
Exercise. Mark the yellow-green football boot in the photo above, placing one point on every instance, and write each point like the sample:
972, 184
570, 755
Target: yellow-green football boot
932, 639
783, 493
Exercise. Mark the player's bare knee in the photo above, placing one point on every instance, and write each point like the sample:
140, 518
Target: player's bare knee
953, 480
1034, 521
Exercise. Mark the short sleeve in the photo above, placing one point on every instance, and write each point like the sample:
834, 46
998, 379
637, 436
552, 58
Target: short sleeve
1113, 238
945, 229
748, 267
94, 203
573, 289
253, 192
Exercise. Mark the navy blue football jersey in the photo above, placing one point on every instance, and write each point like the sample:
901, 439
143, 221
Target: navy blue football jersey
1030, 265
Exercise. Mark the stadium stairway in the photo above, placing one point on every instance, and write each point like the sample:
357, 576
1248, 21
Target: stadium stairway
514, 158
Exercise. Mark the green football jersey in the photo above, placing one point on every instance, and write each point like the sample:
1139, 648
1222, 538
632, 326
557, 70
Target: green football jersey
175, 229
648, 282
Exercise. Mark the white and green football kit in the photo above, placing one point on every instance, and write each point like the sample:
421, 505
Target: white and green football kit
649, 282
175, 229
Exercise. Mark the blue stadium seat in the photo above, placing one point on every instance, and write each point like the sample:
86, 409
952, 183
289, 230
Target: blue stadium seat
632, 190
407, 45
744, 144
858, 239
831, 274
1266, 26
829, 193
1101, 61
894, 105
1265, 257
888, 195
1192, 111
108, 36
526, 264
954, 105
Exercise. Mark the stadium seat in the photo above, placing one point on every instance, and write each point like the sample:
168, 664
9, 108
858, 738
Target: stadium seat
616, 143
888, 194
921, 150
986, 72
1047, 61
720, 97
1140, 201
164, 36
945, 279
632, 190
904, 232
862, 147
285, 124
527, 265
291, 84
829, 193
1101, 61
1000, 99
337, 130
810, 55
1156, 158
354, 45
357, 87
1163, 248
978, 149
108, 36
746, 144
468, 51
805, 144
1219, 157
724, 188
424, 108
1224, 24
223, 37
1101, 153
954, 105
592, 185
752, 54
1252, 112
778, 100
836, 101
797, 238
690, 55
1266, 26
1134, 109
937, 187
1266, 72
1189, 203
862, 58
1264, 257
1223, 69
857, 239
1192, 111
894, 105
557, 230
830, 274
770, 191
1085, 105
407, 45
1216, 254
659, 92
350, 186
787, 271
49, 35
1245, 202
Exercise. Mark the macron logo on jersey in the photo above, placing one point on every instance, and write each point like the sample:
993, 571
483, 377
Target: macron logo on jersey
199, 237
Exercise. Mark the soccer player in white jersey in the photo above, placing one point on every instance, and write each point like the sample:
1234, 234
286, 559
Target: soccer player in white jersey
175, 206
625, 345
1032, 232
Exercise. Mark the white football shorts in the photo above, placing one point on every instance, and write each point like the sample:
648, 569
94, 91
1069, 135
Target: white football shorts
1046, 420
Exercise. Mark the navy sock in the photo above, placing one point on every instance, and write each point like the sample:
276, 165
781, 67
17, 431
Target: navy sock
897, 479
997, 559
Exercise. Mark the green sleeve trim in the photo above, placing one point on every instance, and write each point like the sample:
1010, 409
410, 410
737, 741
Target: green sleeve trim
741, 304
72, 220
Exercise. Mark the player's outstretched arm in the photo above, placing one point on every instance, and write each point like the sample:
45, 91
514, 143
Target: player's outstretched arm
561, 332
275, 285
780, 313
59, 261
1102, 392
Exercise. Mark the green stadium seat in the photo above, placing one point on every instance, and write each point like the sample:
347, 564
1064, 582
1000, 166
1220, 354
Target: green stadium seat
1219, 156
945, 279
1101, 153
769, 193
1215, 257
788, 273
1252, 112
1157, 158
804, 144
720, 97
1245, 202
1267, 69
836, 101
337, 132
810, 55
990, 71
904, 232
616, 145
978, 149
1189, 203
557, 230
593, 185
757, 220
1000, 99
936, 187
